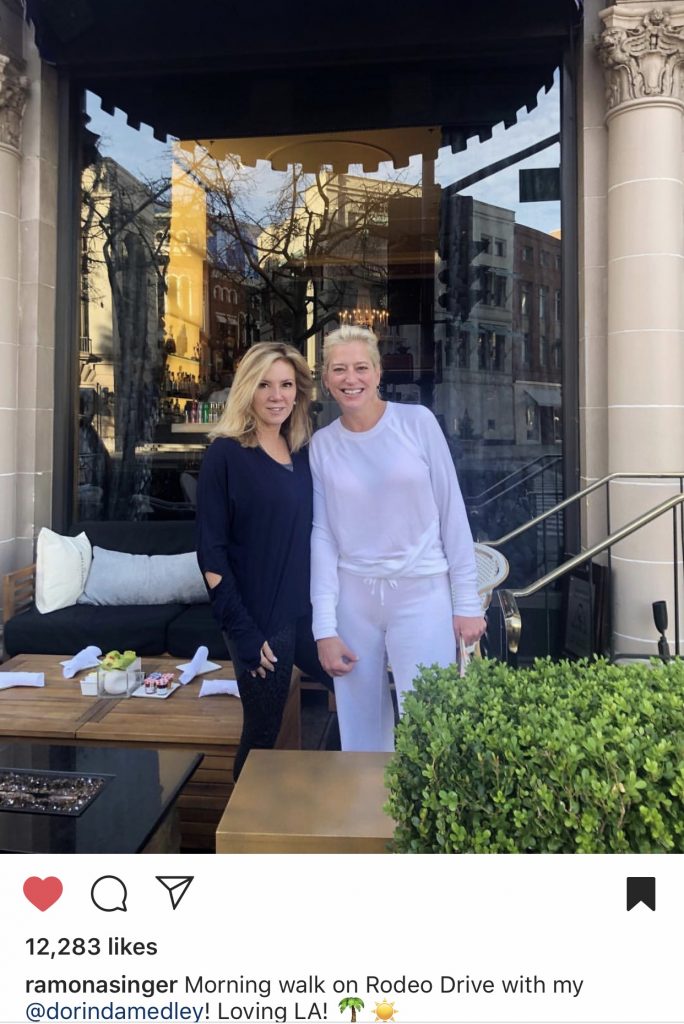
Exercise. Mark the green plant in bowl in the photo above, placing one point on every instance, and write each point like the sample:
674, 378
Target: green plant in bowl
117, 660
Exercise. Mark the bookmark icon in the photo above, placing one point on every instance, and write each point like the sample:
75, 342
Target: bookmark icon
641, 890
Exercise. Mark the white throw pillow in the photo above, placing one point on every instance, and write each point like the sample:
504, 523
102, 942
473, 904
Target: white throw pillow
62, 567
117, 578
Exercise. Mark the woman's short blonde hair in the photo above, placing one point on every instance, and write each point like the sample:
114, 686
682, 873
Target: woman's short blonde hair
346, 334
238, 419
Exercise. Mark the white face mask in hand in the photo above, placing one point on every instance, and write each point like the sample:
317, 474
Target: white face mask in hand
463, 657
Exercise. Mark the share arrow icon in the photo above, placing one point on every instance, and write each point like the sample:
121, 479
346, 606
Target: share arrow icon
176, 886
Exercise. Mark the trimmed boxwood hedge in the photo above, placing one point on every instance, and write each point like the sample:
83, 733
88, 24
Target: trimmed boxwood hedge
562, 757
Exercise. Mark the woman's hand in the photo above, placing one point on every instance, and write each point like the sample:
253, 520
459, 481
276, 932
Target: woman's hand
470, 627
335, 657
268, 660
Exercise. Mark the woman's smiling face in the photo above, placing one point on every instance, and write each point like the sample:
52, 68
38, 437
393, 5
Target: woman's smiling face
351, 377
275, 394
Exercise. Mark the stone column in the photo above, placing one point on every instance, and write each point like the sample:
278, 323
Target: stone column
642, 52
593, 276
13, 93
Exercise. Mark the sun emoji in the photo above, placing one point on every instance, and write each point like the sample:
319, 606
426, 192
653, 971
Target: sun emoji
384, 1011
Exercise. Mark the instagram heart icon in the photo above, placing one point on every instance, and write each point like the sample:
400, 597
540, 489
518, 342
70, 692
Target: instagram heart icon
42, 892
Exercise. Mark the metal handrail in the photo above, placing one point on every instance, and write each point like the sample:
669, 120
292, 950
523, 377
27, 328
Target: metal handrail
516, 472
509, 597
474, 509
575, 497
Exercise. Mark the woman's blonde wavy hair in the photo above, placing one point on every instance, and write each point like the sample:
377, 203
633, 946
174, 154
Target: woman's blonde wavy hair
238, 418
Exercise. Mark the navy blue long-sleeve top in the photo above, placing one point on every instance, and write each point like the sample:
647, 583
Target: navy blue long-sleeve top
253, 529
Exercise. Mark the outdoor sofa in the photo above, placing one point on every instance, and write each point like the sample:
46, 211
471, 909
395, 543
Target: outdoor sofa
149, 629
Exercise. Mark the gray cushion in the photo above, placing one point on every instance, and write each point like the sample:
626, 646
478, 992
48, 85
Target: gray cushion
117, 578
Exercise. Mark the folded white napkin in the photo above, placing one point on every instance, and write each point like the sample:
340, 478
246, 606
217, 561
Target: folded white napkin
8, 679
212, 686
87, 658
197, 666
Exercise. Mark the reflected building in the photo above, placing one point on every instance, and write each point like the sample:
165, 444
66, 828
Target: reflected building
327, 262
233, 300
122, 353
474, 394
537, 327
498, 391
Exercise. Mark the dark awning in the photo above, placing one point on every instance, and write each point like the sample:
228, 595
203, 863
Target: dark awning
545, 394
208, 69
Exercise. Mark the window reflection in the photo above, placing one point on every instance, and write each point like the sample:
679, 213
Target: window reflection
185, 268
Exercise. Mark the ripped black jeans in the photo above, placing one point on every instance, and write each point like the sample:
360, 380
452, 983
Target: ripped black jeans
264, 700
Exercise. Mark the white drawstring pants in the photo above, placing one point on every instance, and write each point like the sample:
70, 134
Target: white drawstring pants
404, 622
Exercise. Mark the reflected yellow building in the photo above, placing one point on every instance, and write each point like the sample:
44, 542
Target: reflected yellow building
185, 303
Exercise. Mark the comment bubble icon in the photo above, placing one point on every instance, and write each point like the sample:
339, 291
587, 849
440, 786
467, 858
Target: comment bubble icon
109, 893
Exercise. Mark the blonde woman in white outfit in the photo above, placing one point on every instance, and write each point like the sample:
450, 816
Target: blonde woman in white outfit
393, 569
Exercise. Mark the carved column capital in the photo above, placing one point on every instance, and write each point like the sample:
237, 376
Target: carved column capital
14, 86
642, 51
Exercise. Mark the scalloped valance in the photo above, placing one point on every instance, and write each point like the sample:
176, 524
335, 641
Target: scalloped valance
211, 70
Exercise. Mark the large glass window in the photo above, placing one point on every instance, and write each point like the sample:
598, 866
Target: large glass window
191, 252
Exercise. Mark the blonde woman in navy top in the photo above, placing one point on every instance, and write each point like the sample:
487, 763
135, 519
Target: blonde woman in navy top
254, 513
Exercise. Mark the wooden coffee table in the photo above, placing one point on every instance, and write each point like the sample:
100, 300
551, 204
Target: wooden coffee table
308, 801
211, 726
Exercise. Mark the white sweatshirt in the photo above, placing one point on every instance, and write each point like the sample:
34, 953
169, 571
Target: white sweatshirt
387, 504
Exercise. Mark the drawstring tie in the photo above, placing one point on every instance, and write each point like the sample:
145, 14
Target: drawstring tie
372, 581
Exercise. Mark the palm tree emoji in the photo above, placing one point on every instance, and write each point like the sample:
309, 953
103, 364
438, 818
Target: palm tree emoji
352, 1003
